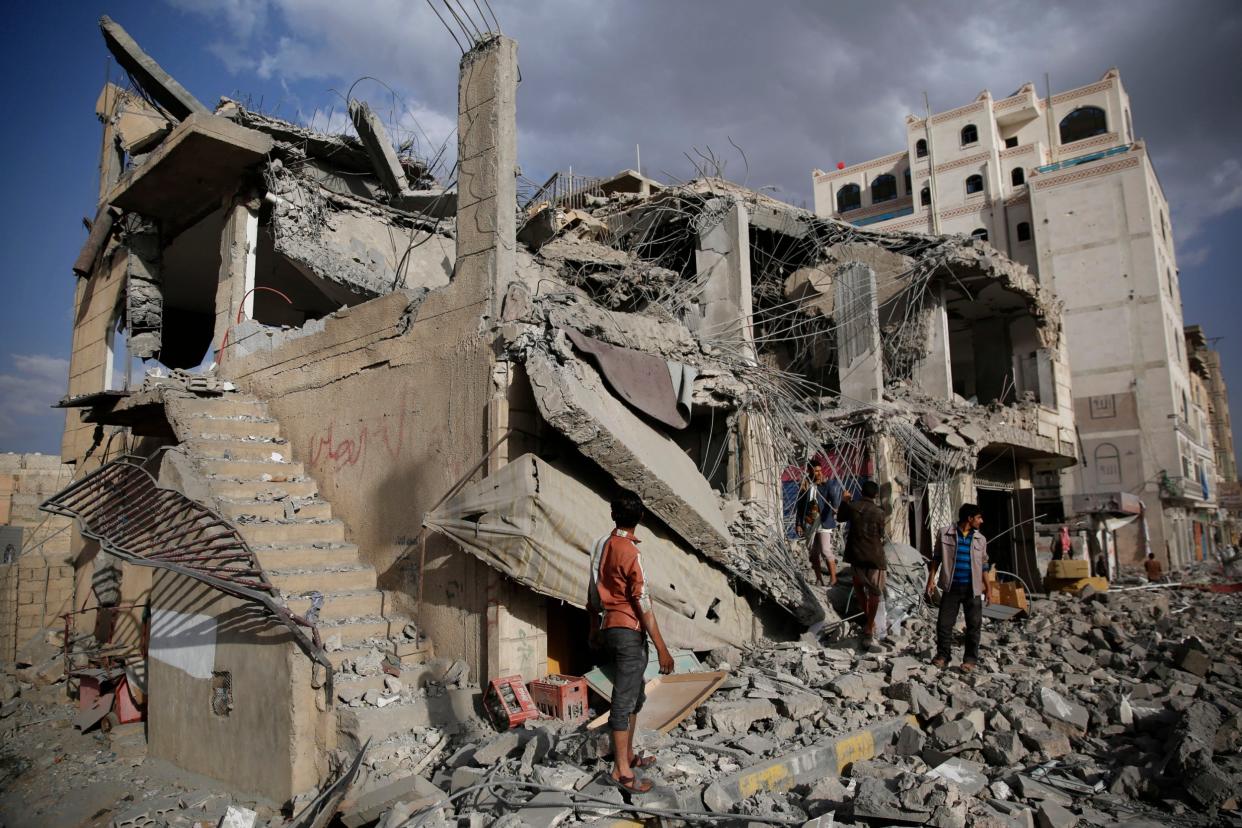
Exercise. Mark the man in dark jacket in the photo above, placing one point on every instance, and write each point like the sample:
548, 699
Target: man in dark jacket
864, 552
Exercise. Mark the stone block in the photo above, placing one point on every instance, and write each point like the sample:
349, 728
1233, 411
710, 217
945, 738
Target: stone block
1058, 709
371, 805
1052, 815
735, 718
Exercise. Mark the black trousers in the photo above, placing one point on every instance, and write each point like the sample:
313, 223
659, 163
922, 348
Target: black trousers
959, 595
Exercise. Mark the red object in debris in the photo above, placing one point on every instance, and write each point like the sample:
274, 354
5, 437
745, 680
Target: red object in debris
561, 697
840, 165
508, 703
126, 710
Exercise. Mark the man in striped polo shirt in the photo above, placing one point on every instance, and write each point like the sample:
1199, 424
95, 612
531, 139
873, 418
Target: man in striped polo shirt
960, 564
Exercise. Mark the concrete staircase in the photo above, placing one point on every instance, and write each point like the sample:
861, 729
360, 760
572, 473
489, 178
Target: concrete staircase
239, 452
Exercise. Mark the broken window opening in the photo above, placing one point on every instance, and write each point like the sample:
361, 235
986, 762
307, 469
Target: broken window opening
925, 196
1024, 231
221, 692
1018, 176
974, 184
190, 269
980, 233
1011, 142
906, 178
920, 148
1084, 122
883, 188
970, 134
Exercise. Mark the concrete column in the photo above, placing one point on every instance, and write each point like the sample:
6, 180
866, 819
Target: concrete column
487, 167
934, 374
860, 361
144, 296
722, 258
486, 263
235, 286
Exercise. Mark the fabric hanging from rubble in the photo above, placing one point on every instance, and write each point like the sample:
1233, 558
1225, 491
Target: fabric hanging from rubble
658, 388
536, 524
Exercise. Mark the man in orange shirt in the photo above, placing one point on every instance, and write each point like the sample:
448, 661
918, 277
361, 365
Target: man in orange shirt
621, 621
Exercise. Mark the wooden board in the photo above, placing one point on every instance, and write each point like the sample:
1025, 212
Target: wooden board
670, 699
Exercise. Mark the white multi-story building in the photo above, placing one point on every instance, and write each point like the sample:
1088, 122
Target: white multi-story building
1064, 186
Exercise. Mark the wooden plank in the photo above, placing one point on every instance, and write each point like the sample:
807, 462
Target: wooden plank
670, 699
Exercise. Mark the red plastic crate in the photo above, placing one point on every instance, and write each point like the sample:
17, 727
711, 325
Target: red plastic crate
561, 697
508, 703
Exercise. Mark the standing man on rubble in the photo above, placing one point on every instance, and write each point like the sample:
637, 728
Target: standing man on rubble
961, 563
816, 520
621, 622
864, 552
1155, 572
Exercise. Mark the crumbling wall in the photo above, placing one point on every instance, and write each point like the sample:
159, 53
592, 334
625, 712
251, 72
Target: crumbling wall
386, 407
213, 661
36, 573
95, 308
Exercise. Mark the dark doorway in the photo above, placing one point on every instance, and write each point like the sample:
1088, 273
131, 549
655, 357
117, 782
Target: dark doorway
998, 521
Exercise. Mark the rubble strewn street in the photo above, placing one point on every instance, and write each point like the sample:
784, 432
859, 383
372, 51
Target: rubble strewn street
1122, 708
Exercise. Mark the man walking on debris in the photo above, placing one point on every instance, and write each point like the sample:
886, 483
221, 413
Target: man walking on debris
962, 561
815, 521
1155, 572
621, 621
864, 552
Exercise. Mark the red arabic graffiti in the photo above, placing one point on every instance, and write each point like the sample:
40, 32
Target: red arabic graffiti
349, 445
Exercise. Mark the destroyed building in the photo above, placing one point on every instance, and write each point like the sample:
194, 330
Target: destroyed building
418, 399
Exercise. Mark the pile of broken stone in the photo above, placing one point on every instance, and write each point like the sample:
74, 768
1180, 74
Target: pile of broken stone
1119, 709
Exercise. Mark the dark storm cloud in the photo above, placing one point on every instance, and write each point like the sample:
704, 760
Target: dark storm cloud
795, 85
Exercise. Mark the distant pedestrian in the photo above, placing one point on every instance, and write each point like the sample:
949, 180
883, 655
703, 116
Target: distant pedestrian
1155, 572
864, 552
960, 563
1062, 546
621, 620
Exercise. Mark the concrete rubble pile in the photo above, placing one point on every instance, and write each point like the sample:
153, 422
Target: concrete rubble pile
1118, 709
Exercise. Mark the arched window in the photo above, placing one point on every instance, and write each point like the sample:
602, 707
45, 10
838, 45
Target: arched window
1024, 231
1107, 464
925, 195
970, 134
980, 233
1164, 226
1018, 176
920, 148
1083, 122
974, 184
883, 188
849, 198
909, 186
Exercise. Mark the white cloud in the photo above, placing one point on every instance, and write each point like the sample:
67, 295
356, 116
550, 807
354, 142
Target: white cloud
26, 394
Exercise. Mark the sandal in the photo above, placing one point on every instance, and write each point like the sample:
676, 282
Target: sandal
641, 762
630, 784
939, 661
969, 666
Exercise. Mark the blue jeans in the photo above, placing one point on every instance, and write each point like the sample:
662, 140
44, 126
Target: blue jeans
628, 651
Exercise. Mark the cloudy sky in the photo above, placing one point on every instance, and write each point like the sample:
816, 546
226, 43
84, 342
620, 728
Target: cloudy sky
795, 85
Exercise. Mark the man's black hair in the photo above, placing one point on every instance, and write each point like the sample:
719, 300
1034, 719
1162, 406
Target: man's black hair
627, 510
967, 511
870, 489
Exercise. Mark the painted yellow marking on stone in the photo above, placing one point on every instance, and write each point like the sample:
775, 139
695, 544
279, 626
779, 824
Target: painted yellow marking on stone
855, 749
775, 778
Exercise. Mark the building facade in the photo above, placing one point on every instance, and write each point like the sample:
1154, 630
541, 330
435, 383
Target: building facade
1064, 186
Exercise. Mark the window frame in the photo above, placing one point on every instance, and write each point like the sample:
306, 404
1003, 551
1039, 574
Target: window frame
974, 129
1061, 125
982, 185
882, 178
920, 148
857, 190
1017, 177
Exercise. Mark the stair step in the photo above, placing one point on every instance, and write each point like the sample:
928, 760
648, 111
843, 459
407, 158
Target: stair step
339, 606
352, 579
275, 509
226, 489
357, 725
235, 449
233, 427
251, 470
355, 631
305, 556
275, 533
230, 405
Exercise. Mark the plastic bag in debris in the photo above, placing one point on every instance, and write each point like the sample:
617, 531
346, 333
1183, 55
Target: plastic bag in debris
881, 620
